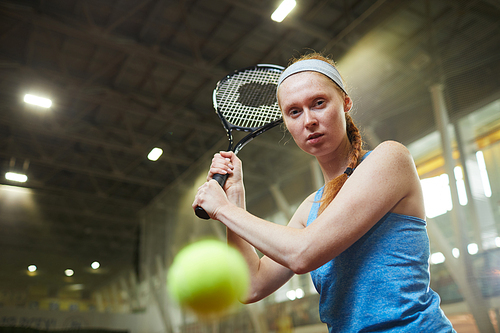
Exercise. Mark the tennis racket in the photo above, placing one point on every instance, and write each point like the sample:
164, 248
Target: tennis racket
246, 101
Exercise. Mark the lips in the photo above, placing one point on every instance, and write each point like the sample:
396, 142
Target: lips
314, 137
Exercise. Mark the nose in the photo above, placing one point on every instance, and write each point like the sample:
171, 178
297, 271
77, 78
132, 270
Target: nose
310, 119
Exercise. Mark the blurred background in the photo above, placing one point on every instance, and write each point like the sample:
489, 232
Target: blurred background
90, 221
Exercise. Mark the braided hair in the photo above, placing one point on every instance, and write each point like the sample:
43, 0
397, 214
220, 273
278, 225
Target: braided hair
333, 186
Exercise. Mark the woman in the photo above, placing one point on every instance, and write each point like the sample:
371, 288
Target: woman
362, 236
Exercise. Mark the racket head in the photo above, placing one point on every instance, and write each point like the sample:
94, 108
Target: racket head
245, 100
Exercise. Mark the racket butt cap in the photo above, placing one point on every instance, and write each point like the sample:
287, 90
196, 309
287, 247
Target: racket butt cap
200, 212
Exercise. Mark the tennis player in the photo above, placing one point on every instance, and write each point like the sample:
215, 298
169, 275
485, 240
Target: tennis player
362, 236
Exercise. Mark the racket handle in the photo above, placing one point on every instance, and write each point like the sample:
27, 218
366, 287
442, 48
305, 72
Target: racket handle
200, 212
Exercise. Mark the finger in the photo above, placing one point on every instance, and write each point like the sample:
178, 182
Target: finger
220, 166
218, 160
198, 198
233, 158
222, 163
228, 154
196, 201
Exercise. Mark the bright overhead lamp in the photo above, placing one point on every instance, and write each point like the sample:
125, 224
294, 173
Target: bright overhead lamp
95, 265
283, 10
155, 154
32, 268
437, 258
16, 177
37, 100
472, 248
483, 173
69, 272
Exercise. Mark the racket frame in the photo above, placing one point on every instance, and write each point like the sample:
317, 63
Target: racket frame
254, 131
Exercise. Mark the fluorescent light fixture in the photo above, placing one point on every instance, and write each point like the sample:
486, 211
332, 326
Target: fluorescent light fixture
437, 258
283, 10
155, 154
36, 100
462, 193
484, 173
455, 252
69, 272
291, 295
16, 177
95, 265
472, 248
437, 195
32, 268
77, 286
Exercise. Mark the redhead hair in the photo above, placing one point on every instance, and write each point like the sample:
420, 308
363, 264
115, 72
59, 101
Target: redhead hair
333, 186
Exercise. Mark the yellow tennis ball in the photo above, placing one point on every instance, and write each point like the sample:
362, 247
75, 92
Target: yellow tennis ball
208, 277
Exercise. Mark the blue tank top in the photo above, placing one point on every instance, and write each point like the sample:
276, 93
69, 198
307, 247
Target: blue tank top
381, 282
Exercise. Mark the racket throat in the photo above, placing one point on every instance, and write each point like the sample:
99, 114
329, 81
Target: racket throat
230, 139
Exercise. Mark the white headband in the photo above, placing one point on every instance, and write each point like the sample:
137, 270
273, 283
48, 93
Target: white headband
314, 65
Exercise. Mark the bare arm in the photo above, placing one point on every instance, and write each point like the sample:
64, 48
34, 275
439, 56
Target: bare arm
266, 274
385, 181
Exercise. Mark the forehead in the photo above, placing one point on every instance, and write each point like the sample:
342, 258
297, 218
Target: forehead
306, 82
308, 76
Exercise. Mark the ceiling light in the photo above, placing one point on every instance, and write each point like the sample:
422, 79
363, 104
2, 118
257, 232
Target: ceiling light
77, 286
36, 100
283, 10
16, 177
299, 293
484, 173
155, 154
95, 265
472, 248
69, 272
32, 268
437, 258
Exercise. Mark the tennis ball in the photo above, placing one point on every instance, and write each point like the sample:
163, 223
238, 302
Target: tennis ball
208, 277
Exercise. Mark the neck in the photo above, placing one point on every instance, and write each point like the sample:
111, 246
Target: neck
335, 163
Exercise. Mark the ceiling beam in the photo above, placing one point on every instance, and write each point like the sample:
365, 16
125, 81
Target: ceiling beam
113, 98
291, 23
72, 138
118, 43
84, 171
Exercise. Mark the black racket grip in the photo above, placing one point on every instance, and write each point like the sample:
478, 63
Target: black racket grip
200, 212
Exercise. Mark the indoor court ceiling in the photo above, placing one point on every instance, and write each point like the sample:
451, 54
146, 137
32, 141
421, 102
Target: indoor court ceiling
126, 76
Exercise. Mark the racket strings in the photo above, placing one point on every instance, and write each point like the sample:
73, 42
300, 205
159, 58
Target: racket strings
248, 99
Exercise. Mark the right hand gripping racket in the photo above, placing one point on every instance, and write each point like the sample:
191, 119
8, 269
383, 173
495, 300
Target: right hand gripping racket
246, 101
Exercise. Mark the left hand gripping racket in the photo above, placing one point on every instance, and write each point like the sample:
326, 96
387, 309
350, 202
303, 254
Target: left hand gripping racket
246, 101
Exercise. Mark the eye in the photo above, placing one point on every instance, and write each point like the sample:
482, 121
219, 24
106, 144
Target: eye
293, 112
320, 102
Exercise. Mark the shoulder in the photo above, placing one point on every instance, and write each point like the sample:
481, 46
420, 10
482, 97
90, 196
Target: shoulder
393, 150
390, 159
390, 166
390, 156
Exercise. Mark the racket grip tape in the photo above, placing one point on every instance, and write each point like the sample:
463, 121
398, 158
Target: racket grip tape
200, 212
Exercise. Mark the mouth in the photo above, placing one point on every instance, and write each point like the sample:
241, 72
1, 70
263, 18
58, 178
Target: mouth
313, 137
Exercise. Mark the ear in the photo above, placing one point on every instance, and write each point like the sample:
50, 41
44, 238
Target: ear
347, 103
